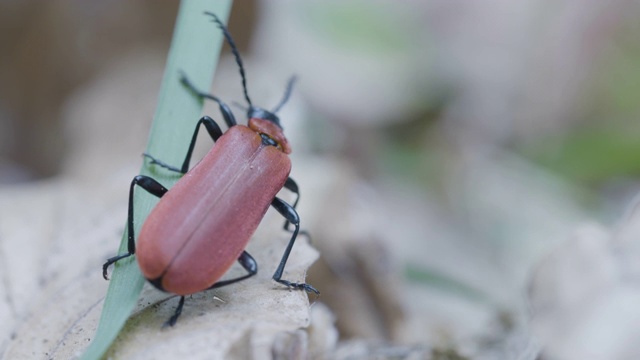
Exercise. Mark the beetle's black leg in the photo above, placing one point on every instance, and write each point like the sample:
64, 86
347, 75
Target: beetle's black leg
225, 110
248, 263
291, 185
154, 188
214, 131
172, 320
161, 163
291, 215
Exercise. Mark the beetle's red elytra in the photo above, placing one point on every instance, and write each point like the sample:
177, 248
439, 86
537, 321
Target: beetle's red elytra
221, 202
202, 225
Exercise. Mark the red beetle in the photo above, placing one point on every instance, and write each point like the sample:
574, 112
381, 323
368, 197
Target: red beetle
202, 225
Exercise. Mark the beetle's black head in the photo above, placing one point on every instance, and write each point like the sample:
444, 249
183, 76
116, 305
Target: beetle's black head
260, 113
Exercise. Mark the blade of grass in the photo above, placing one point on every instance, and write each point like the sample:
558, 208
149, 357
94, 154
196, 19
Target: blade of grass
194, 49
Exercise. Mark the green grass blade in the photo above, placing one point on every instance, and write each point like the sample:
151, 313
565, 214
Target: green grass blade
195, 48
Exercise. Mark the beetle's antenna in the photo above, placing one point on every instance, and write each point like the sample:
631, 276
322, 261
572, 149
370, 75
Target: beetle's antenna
235, 52
287, 93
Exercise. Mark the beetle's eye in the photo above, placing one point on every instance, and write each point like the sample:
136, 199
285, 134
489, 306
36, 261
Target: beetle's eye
268, 140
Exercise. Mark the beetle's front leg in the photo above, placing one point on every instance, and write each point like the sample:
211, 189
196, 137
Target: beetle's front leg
214, 131
225, 110
154, 188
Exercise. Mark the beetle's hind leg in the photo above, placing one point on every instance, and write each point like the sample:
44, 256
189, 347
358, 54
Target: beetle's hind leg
248, 263
172, 320
151, 186
291, 215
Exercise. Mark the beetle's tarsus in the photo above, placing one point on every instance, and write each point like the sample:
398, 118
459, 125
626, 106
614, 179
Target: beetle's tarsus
184, 80
104, 270
111, 261
169, 323
300, 286
155, 161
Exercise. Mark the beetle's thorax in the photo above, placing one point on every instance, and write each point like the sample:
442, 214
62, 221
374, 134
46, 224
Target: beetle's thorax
272, 130
260, 113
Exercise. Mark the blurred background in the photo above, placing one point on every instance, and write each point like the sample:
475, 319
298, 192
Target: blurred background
443, 148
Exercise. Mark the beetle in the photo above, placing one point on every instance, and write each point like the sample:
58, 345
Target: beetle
203, 224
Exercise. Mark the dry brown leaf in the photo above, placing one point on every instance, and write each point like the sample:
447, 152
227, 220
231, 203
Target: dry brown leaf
66, 304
